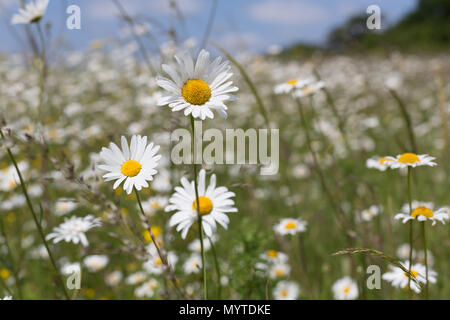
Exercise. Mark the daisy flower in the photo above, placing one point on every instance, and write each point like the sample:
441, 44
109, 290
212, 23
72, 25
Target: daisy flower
290, 85
136, 278
411, 160
154, 204
147, 289
70, 268
290, 226
214, 203
95, 262
197, 88
309, 89
369, 213
345, 289
6, 298
403, 251
154, 264
379, 163
193, 264
134, 164
33, 12
398, 278
63, 207
279, 270
424, 213
196, 246
286, 290
273, 256
74, 229
112, 279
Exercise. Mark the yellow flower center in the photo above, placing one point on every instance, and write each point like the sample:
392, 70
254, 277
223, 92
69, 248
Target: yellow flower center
206, 205
424, 211
384, 159
408, 158
292, 81
196, 91
158, 261
347, 289
131, 168
4, 274
290, 225
154, 205
272, 254
414, 273
279, 272
284, 293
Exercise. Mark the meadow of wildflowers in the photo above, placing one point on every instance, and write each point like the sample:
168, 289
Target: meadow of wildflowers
93, 207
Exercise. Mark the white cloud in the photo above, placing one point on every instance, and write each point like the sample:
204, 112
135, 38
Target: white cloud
288, 12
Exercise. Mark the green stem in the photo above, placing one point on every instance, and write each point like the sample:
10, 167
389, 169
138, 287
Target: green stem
216, 264
426, 258
199, 216
158, 249
410, 232
36, 221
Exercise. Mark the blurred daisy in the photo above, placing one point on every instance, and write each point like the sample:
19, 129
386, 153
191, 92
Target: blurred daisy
421, 257
33, 12
195, 246
309, 89
154, 204
95, 262
154, 264
197, 89
379, 163
6, 298
74, 229
290, 85
214, 203
423, 213
71, 268
273, 256
134, 164
112, 279
147, 289
345, 289
398, 278
403, 251
279, 270
286, 290
136, 278
369, 213
290, 226
411, 160
193, 264
63, 207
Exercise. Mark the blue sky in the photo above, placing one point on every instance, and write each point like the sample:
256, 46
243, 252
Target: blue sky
255, 24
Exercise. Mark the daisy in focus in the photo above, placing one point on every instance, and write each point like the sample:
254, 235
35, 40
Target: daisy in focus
424, 213
398, 278
345, 289
290, 226
198, 88
411, 160
74, 229
135, 164
214, 203
33, 12
286, 290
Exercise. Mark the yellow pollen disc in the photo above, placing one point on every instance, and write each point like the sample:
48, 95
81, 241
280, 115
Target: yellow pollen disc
272, 253
154, 205
414, 273
196, 91
408, 158
206, 205
383, 160
158, 261
292, 81
131, 168
279, 272
284, 293
424, 211
347, 289
290, 225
